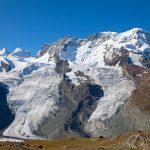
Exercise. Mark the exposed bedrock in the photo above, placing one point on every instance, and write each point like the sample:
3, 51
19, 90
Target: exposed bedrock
120, 59
134, 114
6, 66
135, 73
82, 98
62, 66
124, 57
77, 103
137, 109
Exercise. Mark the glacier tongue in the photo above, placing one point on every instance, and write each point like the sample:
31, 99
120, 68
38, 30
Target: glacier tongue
117, 88
34, 82
113, 99
34, 100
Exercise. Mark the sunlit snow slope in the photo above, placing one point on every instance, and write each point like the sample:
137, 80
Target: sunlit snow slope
33, 82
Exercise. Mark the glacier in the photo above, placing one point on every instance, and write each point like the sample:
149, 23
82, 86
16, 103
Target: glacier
34, 82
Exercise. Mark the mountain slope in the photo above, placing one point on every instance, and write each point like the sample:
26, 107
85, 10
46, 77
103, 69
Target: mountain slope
77, 87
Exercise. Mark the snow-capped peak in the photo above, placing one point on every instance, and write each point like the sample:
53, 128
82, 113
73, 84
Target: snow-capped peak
134, 34
36, 91
3, 52
93, 49
18, 52
102, 35
138, 30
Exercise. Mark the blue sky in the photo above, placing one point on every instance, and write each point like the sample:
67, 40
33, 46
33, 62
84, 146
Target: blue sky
31, 23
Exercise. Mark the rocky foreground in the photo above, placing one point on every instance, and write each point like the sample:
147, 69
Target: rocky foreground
130, 141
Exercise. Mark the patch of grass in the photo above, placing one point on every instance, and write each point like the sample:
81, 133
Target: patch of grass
121, 142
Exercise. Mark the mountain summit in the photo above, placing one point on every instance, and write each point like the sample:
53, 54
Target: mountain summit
77, 87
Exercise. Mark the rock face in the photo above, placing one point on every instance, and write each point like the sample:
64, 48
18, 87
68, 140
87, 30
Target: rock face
98, 86
138, 105
6, 66
141, 96
120, 59
83, 99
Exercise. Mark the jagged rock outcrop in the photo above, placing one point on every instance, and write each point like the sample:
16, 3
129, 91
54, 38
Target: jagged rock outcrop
119, 59
79, 87
62, 66
135, 73
83, 99
6, 66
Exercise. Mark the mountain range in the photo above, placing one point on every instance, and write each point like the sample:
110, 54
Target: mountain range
91, 87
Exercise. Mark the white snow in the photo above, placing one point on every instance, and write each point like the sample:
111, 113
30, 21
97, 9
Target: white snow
33, 83
114, 97
33, 92
116, 87
3, 52
4, 139
18, 52
93, 57
3, 59
74, 79
32, 101
44, 58
69, 54
136, 59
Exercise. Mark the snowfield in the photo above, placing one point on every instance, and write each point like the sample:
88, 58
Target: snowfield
32, 101
33, 93
34, 84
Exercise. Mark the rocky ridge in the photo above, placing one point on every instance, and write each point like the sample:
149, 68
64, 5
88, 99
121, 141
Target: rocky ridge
79, 87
